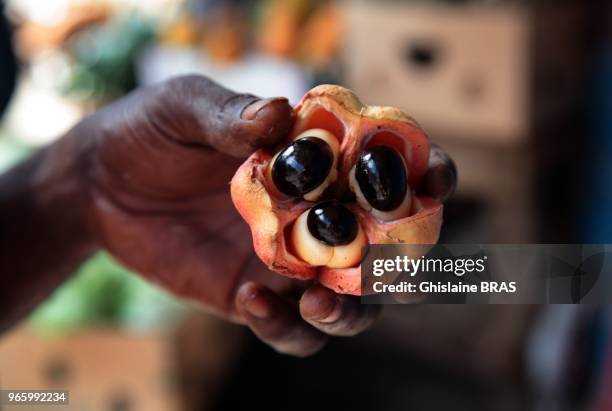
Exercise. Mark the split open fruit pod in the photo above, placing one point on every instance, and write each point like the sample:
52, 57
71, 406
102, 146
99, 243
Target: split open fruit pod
344, 178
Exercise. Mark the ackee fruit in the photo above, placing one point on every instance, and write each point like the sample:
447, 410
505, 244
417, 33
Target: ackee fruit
344, 178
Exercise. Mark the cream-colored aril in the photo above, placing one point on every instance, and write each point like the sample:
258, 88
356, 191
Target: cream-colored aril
316, 253
403, 210
332, 141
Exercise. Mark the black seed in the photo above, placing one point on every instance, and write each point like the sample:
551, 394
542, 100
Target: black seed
332, 223
302, 166
382, 177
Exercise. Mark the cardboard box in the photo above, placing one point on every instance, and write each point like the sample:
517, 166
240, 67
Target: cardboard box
468, 71
105, 369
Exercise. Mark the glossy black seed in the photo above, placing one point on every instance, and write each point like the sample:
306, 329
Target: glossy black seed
302, 166
332, 223
382, 177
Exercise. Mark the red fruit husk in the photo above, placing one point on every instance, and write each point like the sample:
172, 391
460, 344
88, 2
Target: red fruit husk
270, 214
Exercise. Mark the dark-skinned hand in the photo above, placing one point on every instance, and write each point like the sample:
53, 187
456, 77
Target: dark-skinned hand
156, 166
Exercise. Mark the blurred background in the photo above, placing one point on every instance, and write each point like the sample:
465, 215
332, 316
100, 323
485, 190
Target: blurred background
518, 92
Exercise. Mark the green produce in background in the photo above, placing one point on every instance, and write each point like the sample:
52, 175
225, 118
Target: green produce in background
103, 293
104, 58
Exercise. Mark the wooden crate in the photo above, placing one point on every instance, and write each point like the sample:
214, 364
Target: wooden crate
109, 370
102, 369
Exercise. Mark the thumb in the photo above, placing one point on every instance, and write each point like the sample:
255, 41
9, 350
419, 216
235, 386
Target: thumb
196, 110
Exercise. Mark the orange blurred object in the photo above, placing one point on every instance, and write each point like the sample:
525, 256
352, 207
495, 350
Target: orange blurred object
183, 31
224, 35
321, 36
33, 38
280, 26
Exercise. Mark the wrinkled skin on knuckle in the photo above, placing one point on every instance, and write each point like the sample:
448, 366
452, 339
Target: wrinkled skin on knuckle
303, 220
182, 107
156, 140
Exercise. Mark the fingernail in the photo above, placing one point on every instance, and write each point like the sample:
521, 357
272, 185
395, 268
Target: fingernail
250, 111
257, 306
333, 315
